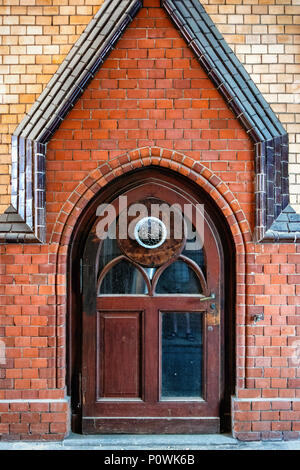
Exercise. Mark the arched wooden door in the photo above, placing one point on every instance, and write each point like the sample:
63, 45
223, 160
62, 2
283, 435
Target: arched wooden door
152, 319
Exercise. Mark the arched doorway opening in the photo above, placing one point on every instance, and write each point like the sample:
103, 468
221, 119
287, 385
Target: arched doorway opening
151, 330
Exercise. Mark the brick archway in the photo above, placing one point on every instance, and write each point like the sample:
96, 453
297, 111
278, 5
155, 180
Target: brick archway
144, 157
106, 173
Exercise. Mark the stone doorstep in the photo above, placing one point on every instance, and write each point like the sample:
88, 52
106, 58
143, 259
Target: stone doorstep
124, 440
151, 442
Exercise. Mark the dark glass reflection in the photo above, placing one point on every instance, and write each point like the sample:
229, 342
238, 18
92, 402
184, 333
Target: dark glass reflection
181, 366
109, 250
123, 278
198, 257
193, 248
178, 278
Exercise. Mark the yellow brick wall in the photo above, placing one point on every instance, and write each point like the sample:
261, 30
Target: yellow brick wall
265, 35
36, 35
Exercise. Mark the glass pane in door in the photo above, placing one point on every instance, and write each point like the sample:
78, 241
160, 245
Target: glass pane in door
123, 278
109, 250
181, 355
178, 278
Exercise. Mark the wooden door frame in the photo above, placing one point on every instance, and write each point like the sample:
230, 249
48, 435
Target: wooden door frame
74, 305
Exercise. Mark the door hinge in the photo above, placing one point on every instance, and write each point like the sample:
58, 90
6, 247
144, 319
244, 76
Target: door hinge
81, 389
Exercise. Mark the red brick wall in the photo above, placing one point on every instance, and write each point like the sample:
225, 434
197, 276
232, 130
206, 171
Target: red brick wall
150, 93
272, 373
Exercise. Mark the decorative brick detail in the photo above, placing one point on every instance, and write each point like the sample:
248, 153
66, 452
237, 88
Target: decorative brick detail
216, 59
141, 158
36, 39
154, 156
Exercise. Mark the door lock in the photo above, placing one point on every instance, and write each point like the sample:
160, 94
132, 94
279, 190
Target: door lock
212, 313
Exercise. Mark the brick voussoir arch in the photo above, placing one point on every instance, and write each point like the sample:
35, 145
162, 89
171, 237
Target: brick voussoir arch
108, 171
144, 157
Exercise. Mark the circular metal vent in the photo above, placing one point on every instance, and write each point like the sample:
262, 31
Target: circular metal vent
150, 232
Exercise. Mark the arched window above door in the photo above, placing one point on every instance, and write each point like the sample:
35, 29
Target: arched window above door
123, 278
118, 275
178, 278
108, 251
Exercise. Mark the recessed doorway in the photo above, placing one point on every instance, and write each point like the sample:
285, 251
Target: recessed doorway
151, 330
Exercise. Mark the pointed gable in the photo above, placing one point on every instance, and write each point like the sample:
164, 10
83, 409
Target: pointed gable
30, 139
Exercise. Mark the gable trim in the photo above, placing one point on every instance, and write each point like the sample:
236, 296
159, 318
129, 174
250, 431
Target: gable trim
29, 142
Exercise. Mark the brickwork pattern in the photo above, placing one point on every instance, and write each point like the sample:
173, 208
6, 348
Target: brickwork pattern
35, 37
33, 420
267, 419
150, 92
37, 34
265, 36
153, 96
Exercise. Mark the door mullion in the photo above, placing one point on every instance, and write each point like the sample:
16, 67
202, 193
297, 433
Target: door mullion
151, 358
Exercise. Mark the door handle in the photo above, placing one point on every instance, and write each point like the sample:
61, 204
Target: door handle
211, 297
213, 313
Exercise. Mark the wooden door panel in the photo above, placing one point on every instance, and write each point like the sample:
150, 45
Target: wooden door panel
154, 409
135, 425
143, 360
120, 345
